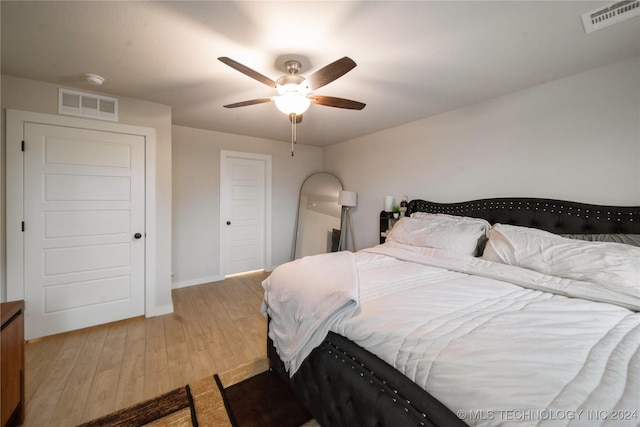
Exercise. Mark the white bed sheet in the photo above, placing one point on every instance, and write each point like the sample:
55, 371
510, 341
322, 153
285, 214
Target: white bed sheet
493, 352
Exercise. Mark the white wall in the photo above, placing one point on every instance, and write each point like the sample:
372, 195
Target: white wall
41, 97
577, 138
196, 194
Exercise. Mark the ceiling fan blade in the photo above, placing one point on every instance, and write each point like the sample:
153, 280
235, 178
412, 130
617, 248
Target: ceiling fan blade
332, 101
250, 102
298, 118
331, 72
247, 71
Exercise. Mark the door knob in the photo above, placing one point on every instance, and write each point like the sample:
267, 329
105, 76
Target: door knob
137, 235
228, 222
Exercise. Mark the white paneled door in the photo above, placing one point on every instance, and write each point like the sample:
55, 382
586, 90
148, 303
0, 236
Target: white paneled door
84, 227
244, 194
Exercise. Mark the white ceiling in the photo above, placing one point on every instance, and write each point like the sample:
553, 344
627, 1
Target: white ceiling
415, 59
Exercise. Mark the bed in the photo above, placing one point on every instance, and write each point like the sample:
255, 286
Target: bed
438, 327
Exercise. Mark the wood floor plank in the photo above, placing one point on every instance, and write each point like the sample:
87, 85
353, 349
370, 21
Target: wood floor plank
135, 328
113, 351
102, 398
154, 326
174, 330
133, 360
77, 376
55, 377
94, 343
158, 383
194, 338
179, 361
34, 376
252, 330
72, 345
129, 391
40, 409
75, 394
155, 361
203, 364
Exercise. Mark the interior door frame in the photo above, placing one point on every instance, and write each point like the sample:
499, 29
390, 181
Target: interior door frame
224, 155
15, 121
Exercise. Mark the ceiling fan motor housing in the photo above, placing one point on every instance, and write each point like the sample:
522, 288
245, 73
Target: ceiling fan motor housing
293, 66
292, 83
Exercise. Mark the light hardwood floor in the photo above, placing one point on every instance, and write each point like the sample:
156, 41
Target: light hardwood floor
81, 375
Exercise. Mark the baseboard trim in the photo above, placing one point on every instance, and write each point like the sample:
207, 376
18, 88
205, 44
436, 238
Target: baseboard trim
161, 310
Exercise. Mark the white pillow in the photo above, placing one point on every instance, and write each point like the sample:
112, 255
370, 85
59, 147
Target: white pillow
627, 239
613, 265
453, 233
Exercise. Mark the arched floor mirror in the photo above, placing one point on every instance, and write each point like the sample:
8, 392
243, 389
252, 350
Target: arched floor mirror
318, 227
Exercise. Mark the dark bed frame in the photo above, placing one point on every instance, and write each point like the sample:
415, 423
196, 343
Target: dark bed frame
342, 384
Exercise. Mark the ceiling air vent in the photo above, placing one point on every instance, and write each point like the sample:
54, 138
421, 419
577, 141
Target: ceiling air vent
609, 15
76, 103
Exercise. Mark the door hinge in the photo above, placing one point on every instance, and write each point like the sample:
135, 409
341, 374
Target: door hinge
22, 225
22, 146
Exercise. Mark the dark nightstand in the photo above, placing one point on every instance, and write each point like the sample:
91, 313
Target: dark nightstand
387, 221
12, 363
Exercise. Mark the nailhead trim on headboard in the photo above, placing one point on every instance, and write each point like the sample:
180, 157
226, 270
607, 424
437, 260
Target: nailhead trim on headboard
556, 216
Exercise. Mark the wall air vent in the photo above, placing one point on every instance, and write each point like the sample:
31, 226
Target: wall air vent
609, 15
82, 104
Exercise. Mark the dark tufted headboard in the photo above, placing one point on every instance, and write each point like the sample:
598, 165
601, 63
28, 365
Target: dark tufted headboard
556, 216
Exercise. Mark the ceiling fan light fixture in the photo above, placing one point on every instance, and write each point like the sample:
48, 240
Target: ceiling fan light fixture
292, 103
287, 88
294, 90
290, 80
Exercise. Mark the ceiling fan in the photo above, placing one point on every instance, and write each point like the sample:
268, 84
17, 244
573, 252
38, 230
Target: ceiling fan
295, 93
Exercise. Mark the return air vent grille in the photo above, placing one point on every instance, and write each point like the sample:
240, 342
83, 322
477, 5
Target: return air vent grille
609, 15
76, 103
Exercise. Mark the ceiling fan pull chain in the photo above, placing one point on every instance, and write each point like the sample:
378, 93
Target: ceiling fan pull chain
292, 117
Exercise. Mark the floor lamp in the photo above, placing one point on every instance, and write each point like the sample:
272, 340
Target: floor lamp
348, 200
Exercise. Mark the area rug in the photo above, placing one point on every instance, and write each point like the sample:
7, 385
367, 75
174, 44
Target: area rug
195, 405
225, 400
263, 400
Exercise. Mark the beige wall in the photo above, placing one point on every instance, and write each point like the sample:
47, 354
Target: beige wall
576, 138
41, 97
196, 201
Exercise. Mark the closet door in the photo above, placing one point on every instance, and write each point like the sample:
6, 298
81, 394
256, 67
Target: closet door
84, 200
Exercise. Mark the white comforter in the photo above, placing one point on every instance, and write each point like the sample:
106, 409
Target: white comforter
304, 298
493, 352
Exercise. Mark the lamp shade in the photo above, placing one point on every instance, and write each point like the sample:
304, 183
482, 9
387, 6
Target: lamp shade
348, 198
388, 203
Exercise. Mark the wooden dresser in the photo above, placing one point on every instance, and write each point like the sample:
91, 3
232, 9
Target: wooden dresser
12, 363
